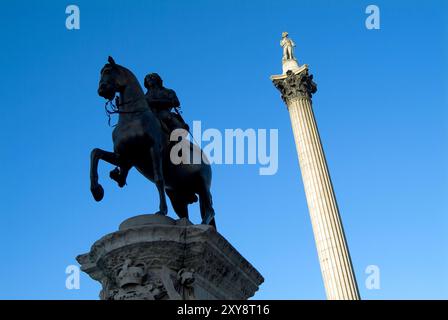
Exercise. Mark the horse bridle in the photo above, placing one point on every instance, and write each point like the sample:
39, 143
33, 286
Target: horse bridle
115, 109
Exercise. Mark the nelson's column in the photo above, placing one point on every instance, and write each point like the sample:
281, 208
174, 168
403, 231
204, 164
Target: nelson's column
297, 87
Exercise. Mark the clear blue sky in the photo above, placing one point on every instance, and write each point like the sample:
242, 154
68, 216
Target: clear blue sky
381, 107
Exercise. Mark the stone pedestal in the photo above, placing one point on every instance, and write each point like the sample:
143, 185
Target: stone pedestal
297, 88
155, 257
290, 64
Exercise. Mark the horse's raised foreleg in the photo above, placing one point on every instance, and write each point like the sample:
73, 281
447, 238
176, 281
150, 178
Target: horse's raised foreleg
95, 156
159, 180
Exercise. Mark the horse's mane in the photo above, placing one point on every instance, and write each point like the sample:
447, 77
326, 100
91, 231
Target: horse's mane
130, 73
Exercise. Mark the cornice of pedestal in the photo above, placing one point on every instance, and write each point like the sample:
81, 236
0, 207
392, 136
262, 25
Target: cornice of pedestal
295, 84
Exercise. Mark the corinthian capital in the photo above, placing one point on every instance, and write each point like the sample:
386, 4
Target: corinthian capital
295, 85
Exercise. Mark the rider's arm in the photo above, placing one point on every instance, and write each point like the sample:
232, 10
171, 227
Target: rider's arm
168, 101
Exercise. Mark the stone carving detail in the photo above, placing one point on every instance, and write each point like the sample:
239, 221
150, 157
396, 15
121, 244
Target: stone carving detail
135, 282
169, 261
185, 280
296, 85
130, 275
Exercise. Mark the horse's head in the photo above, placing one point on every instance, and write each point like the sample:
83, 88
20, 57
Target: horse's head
113, 79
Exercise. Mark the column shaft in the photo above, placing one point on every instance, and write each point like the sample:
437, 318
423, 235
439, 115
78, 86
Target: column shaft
334, 257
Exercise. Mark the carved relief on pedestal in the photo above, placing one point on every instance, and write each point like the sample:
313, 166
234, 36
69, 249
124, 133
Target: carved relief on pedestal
134, 282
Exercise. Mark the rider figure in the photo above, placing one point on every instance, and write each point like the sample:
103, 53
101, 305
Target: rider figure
161, 101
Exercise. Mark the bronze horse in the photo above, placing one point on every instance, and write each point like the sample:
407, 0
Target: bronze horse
140, 142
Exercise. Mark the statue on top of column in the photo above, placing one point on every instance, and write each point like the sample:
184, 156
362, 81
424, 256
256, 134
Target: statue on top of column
288, 47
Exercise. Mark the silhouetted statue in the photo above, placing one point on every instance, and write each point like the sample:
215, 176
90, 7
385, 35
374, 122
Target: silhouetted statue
140, 142
162, 101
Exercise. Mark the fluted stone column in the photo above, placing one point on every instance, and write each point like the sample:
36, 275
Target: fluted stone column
296, 87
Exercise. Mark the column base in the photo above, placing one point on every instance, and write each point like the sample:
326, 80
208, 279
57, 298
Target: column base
154, 257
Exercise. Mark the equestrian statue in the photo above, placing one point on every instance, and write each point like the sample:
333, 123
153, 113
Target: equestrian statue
141, 139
